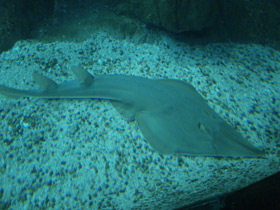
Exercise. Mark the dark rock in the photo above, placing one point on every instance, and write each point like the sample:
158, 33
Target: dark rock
175, 16
253, 21
19, 17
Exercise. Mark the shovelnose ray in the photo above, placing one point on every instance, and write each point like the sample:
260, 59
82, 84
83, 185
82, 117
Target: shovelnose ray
172, 116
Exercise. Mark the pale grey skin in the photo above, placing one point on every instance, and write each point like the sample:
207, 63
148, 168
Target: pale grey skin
172, 116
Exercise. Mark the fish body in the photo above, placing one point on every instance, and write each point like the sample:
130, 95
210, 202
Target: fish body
172, 116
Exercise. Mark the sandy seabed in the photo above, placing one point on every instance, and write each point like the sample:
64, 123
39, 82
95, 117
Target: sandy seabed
81, 154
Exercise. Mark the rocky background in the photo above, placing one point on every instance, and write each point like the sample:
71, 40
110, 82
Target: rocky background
19, 18
256, 21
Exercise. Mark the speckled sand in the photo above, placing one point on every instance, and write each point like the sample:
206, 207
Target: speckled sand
81, 154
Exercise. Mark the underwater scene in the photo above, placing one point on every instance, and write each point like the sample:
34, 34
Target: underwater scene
138, 105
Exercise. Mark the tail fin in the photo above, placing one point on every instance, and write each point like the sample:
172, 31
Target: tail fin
12, 92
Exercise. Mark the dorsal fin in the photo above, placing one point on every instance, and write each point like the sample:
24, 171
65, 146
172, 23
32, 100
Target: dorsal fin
44, 83
84, 77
